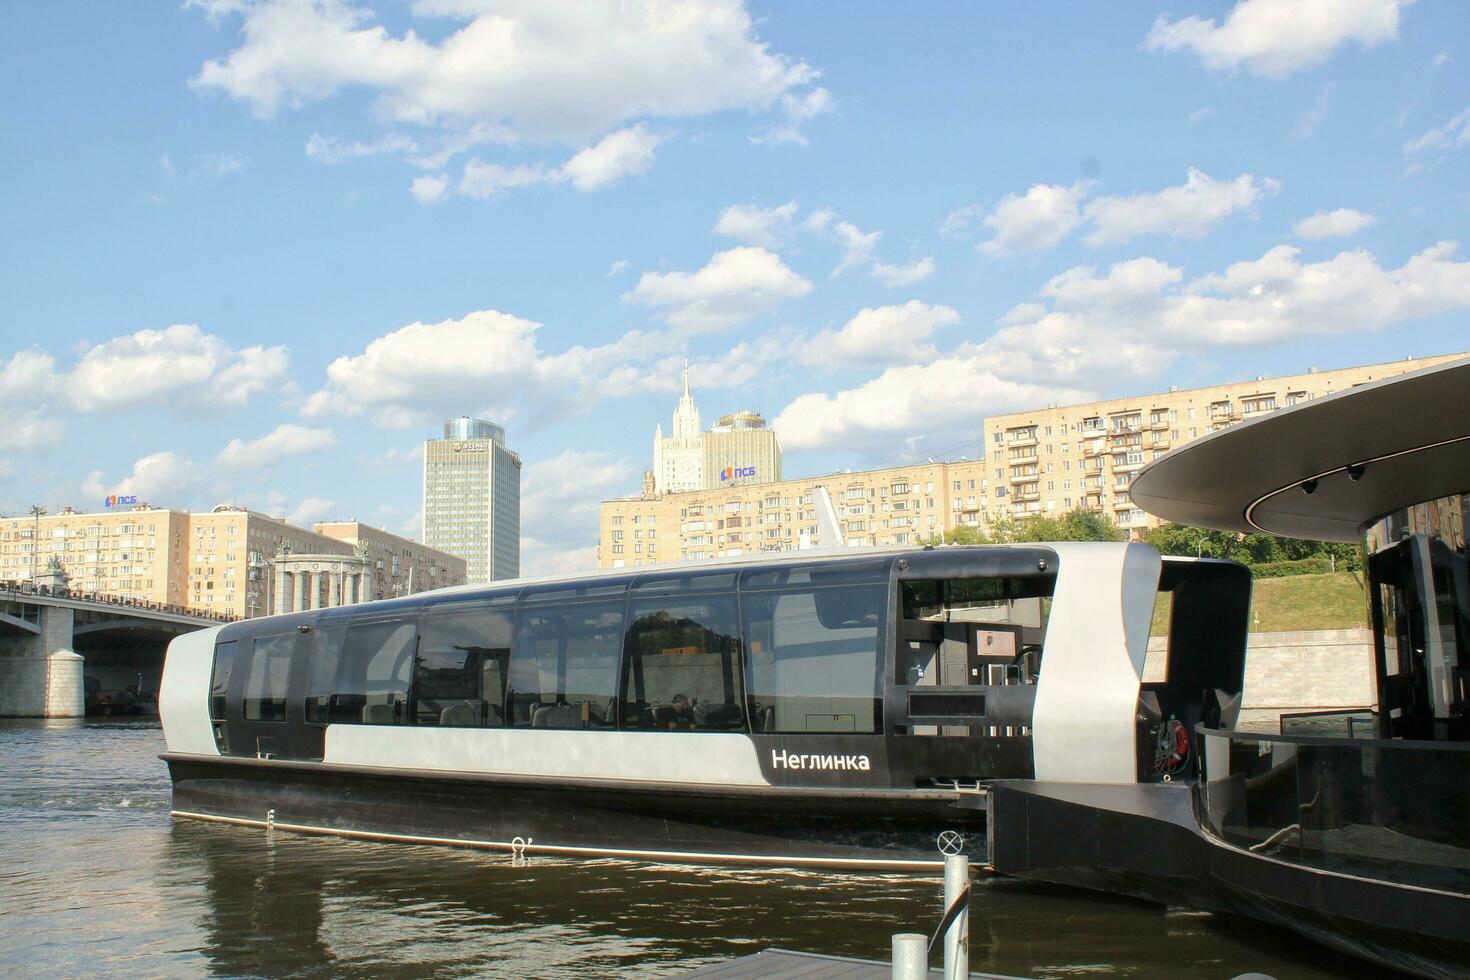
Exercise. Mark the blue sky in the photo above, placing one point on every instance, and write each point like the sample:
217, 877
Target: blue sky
255, 252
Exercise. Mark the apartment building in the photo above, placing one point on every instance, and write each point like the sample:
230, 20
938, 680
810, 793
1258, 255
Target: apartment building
893, 506
472, 498
1061, 457
221, 561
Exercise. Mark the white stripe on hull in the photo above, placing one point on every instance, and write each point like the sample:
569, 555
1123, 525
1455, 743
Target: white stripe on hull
696, 857
665, 757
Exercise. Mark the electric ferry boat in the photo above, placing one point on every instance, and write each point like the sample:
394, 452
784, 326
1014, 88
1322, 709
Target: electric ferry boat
836, 708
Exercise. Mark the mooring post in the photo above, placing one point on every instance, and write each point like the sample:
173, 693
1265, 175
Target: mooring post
910, 956
957, 937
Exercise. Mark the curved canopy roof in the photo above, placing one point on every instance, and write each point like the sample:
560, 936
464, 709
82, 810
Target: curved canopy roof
1324, 468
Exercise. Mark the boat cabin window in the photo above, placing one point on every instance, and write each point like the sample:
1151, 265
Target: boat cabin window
325, 704
370, 679
219, 690
460, 672
973, 631
814, 658
265, 686
564, 665
681, 669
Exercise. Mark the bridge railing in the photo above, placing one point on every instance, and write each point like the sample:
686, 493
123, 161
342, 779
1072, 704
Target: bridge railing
22, 589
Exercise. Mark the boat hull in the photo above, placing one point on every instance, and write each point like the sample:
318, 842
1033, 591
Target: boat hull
606, 818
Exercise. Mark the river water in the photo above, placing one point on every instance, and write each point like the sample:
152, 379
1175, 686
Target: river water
97, 879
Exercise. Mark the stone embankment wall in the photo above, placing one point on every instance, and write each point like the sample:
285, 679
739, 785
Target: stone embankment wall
1302, 670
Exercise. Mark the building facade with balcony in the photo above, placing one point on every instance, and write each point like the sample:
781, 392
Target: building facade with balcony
1052, 460
893, 506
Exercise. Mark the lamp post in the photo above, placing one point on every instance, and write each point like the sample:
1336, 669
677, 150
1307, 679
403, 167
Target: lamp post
36, 511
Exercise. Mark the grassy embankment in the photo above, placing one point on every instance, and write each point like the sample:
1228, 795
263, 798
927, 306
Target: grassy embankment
1300, 602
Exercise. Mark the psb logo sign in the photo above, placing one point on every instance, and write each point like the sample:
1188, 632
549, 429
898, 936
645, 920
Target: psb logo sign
116, 500
736, 472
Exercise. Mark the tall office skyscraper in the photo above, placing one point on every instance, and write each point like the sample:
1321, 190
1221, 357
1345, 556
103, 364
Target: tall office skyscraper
472, 498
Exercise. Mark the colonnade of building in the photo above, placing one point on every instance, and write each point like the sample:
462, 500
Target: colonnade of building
320, 582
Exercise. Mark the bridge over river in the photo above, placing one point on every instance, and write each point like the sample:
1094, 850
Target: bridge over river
56, 645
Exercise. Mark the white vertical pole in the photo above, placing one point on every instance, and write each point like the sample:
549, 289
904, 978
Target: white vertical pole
957, 939
910, 956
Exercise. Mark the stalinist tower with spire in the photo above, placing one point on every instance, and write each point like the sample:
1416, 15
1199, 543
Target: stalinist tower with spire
736, 451
678, 460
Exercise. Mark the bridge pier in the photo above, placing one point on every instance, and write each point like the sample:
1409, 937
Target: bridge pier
40, 675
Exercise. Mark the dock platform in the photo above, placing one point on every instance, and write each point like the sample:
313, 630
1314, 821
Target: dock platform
785, 964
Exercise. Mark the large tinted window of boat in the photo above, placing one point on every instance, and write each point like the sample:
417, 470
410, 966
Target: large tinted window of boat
265, 685
814, 658
681, 666
219, 691
459, 676
325, 701
373, 673
219, 687
564, 665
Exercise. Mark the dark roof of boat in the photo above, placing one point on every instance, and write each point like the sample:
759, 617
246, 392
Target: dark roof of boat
1324, 468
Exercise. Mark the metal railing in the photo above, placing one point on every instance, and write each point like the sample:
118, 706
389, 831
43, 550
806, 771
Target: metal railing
1387, 809
20, 590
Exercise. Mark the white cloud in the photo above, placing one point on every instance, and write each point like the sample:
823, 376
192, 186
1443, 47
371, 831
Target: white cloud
733, 287
1040, 218
1441, 59
252, 370
618, 267
1453, 134
1331, 224
519, 72
1190, 210
488, 360
902, 275
898, 405
429, 189
483, 180
540, 558
799, 109
311, 510
153, 364
857, 245
31, 432
622, 153
961, 221
1310, 120
27, 377
219, 164
284, 441
1125, 325
330, 149
882, 334
755, 225
561, 499
1275, 38
164, 478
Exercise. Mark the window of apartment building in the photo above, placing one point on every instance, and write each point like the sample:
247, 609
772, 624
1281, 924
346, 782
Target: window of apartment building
1000, 437
957, 485
929, 487
1174, 434
1050, 486
1292, 397
1191, 413
1000, 491
617, 549
617, 520
617, 535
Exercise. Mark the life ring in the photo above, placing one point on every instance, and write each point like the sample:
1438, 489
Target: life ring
1173, 747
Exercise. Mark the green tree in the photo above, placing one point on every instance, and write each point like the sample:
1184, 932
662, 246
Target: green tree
965, 534
1249, 549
